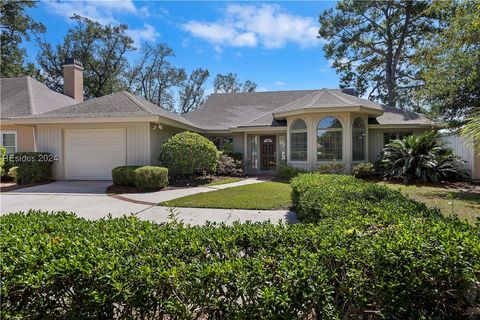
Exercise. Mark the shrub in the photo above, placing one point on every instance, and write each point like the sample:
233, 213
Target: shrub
423, 158
187, 153
150, 178
331, 168
363, 170
317, 196
3, 153
12, 172
286, 172
227, 166
238, 156
124, 175
33, 167
61, 266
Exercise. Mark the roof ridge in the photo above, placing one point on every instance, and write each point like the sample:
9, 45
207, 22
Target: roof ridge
29, 94
340, 97
138, 103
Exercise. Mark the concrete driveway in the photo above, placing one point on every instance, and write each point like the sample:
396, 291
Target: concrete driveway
88, 199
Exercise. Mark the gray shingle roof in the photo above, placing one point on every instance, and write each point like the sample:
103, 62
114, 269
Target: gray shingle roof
328, 98
227, 110
394, 116
25, 96
118, 104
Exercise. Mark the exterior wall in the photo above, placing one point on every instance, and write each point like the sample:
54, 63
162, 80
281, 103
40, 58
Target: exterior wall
158, 136
375, 144
50, 138
25, 136
312, 120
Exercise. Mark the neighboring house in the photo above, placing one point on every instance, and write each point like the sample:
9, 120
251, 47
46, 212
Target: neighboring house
302, 128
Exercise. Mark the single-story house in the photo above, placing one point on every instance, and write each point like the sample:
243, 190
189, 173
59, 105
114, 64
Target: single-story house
304, 128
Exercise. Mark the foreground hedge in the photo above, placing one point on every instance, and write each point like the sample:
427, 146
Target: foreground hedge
61, 266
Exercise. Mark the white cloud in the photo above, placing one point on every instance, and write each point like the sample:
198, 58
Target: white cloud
148, 33
101, 11
279, 83
268, 25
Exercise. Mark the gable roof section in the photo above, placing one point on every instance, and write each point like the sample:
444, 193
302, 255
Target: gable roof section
228, 110
257, 109
25, 96
118, 104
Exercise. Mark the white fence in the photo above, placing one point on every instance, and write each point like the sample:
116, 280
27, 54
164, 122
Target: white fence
463, 150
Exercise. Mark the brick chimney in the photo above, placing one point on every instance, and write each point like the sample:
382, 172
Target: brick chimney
73, 79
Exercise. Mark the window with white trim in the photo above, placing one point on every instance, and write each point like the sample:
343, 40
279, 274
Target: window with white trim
298, 141
8, 139
329, 139
358, 140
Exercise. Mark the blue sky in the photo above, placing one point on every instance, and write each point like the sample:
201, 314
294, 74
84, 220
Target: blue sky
271, 43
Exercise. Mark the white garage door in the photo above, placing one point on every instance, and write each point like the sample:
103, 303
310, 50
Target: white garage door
91, 154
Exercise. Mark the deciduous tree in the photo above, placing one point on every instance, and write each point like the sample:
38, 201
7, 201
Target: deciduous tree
229, 83
450, 63
154, 77
192, 92
16, 25
101, 49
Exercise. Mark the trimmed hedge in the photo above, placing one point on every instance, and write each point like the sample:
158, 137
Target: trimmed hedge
317, 196
150, 178
187, 154
61, 266
124, 175
33, 167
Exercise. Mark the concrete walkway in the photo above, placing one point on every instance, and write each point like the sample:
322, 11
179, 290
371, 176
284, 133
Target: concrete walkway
87, 199
166, 195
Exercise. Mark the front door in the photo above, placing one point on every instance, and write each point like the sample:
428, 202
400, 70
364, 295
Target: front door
268, 152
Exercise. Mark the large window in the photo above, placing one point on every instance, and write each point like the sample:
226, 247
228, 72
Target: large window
223, 143
8, 139
358, 140
298, 141
329, 139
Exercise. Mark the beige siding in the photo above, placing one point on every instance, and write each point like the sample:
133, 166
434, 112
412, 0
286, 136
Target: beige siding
158, 136
138, 144
239, 142
375, 140
25, 141
50, 138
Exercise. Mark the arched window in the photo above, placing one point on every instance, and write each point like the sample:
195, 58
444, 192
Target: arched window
358, 140
329, 139
298, 141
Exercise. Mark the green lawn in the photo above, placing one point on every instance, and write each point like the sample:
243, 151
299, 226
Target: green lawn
261, 196
224, 181
465, 205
